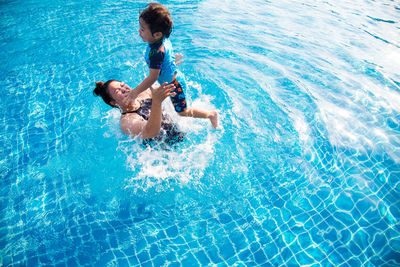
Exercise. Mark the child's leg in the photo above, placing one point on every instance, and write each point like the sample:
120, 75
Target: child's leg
199, 113
179, 102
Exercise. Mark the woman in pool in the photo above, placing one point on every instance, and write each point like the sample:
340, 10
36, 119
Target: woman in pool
142, 115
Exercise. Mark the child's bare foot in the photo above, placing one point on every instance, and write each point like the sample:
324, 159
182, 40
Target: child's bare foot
214, 119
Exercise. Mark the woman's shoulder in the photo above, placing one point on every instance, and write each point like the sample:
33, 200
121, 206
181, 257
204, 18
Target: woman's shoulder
129, 118
131, 123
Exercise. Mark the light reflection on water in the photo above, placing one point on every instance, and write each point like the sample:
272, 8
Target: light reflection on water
304, 168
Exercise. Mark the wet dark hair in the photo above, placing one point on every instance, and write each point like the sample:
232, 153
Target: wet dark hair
102, 90
158, 18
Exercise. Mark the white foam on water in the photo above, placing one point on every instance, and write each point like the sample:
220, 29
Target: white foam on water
111, 121
158, 165
153, 165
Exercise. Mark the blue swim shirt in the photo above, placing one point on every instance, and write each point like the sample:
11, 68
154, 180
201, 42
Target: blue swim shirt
161, 56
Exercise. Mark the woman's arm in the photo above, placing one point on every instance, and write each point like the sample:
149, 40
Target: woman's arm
151, 128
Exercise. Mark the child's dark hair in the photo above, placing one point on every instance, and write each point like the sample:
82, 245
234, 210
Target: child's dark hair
102, 90
158, 18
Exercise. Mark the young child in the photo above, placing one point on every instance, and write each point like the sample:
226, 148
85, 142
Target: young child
155, 28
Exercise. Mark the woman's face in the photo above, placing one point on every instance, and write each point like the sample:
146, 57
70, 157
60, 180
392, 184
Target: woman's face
119, 91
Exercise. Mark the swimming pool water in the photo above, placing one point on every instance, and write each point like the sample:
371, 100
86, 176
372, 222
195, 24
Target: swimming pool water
304, 170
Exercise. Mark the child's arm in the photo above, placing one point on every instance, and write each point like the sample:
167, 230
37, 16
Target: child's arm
146, 83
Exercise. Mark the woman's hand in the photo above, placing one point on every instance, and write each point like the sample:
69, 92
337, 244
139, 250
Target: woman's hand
162, 92
178, 57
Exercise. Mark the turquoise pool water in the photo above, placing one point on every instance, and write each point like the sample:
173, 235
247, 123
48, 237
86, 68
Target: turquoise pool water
304, 170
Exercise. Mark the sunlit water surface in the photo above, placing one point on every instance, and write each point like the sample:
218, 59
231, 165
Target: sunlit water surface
304, 169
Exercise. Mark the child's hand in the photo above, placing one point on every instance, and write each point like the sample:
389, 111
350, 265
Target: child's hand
178, 57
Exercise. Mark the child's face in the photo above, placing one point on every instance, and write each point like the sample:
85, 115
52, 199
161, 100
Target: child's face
145, 32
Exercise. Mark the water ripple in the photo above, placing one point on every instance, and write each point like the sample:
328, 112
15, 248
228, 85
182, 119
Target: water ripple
303, 171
